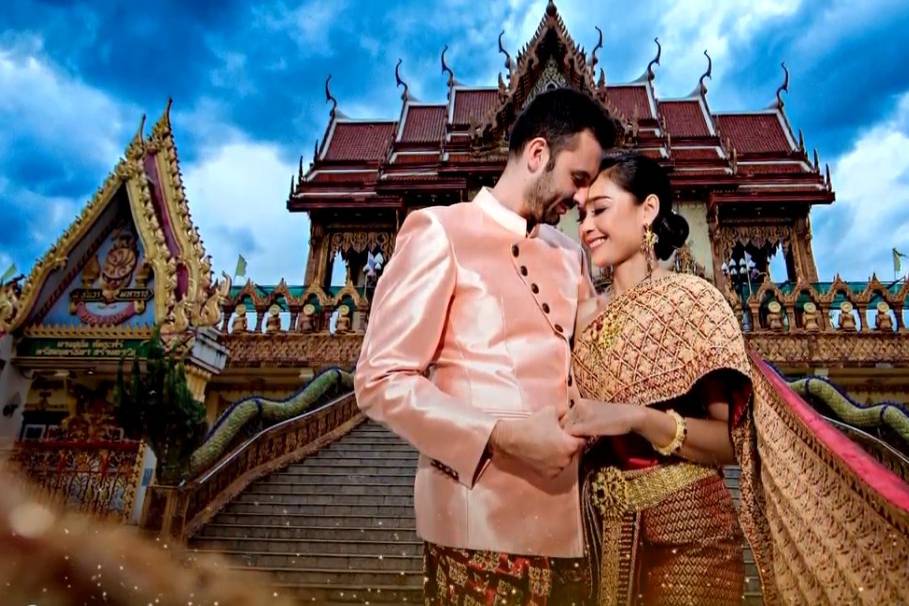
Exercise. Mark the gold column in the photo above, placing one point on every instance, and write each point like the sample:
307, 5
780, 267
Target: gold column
197, 380
317, 262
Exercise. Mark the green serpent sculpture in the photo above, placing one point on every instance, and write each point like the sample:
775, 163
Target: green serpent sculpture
240, 414
889, 414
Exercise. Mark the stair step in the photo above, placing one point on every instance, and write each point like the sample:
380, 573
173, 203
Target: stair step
315, 479
324, 499
404, 511
350, 470
402, 456
338, 595
352, 462
307, 576
322, 521
293, 488
308, 533
297, 548
389, 448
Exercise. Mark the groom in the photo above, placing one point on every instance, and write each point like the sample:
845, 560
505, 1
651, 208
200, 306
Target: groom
467, 357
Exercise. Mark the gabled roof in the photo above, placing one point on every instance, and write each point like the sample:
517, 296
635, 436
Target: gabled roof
359, 140
148, 178
758, 132
423, 123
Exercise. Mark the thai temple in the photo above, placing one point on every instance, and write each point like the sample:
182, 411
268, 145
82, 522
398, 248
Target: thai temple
291, 479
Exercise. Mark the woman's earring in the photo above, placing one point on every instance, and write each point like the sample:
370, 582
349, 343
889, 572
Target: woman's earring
648, 242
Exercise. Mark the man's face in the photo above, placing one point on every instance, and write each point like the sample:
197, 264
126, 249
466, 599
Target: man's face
563, 181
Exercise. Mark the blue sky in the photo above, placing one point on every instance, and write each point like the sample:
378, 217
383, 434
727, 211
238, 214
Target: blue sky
247, 82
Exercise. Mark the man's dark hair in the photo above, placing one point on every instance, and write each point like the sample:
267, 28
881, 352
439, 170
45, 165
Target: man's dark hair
557, 116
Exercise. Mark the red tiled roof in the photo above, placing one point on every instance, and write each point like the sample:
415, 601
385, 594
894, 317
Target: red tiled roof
345, 177
360, 141
630, 100
754, 133
424, 124
473, 104
774, 167
416, 158
702, 153
684, 118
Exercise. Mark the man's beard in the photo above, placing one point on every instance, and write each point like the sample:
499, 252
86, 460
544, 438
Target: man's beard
542, 200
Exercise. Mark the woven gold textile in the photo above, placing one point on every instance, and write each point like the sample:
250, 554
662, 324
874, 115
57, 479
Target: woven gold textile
827, 523
666, 534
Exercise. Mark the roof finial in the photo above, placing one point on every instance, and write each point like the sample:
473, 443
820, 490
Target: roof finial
783, 87
593, 55
817, 161
300, 170
170, 104
801, 141
329, 98
655, 61
551, 8
828, 181
291, 187
601, 83
445, 68
502, 50
708, 74
404, 96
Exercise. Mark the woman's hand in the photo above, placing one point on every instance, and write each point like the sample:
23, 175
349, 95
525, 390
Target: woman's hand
591, 418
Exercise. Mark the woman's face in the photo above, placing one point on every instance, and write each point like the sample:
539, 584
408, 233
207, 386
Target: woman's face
612, 222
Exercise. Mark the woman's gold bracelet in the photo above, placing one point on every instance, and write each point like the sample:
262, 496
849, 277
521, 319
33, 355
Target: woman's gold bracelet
681, 432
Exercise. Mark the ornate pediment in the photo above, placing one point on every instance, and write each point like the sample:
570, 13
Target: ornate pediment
552, 59
132, 255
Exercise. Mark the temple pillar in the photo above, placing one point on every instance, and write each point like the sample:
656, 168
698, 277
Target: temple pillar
801, 250
319, 258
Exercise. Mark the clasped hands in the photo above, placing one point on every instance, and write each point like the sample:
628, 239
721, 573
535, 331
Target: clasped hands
547, 444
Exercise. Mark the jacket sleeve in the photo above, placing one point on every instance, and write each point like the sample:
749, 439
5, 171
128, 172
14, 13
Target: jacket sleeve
406, 324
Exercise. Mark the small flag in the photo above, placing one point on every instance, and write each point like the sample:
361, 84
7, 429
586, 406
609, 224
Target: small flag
896, 260
9, 273
241, 267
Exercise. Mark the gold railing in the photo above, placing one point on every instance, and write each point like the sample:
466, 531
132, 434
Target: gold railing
95, 477
181, 510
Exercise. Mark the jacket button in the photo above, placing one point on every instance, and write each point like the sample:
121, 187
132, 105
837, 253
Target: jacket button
515, 250
545, 308
523, 270
534, 288
558, 328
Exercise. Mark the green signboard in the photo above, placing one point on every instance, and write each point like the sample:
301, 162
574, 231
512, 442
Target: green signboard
79, 348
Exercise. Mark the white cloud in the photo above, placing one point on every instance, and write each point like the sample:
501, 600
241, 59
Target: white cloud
237, 192
308, 25
855, 235
54, 109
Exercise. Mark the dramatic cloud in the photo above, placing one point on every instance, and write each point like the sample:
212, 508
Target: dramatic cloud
247, 81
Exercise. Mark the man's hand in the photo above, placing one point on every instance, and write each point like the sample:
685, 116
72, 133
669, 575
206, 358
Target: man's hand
538, 441
590, 418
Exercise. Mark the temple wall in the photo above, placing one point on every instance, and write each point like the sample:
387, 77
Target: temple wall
699, 235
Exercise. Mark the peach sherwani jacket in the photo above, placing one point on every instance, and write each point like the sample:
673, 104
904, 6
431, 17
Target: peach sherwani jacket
471, 322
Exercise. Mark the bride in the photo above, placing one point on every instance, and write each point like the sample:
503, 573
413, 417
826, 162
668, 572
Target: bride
661, 361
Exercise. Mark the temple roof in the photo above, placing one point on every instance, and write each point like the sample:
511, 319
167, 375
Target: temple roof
745, 157
140, 209
755, 132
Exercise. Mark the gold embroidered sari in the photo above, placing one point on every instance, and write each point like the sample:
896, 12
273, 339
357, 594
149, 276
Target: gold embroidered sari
660, 530
828, 524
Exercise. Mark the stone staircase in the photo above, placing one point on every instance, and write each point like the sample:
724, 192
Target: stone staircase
336, 528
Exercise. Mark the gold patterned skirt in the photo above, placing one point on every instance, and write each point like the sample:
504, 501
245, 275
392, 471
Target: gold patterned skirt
665, 535
464, 577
